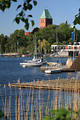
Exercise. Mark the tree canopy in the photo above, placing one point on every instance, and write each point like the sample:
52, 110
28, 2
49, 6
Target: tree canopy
77, 18
53, 34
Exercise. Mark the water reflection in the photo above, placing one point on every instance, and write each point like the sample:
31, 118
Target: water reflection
35, 104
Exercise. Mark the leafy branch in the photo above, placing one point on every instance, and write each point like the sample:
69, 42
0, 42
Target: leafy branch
77, 18
22, 9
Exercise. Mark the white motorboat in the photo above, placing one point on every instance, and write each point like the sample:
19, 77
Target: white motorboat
58, 70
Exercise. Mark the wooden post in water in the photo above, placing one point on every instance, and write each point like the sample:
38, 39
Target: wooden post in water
19, 108
59, 106
48, 100
36, 108
32, 106
27, 106
9, 108
75, 107
37, 82
33, 82
66, 101
55, 101
39, 107
70, 97
5, 101
75, 104
16, 107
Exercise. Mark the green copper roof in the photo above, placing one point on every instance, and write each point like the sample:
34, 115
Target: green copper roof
46, 14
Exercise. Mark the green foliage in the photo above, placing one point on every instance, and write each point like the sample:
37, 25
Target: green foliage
43, 46
22, 50
64, 32
2, 116
61, 114
30, 48
14, 42
22, 10
18, 42
3, 41
32, 22
77, 18
47, 33
54, 33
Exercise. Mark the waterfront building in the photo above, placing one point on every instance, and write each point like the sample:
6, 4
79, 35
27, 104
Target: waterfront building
45, 19
66, 50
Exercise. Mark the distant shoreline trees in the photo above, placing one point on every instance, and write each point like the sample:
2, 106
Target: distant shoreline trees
53, 34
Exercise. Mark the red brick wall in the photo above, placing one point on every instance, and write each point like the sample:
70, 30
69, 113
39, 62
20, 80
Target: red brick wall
42, 23
45, 22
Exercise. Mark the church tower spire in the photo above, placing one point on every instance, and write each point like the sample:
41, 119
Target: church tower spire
45, 19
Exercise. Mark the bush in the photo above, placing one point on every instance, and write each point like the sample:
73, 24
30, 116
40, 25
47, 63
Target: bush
61, 114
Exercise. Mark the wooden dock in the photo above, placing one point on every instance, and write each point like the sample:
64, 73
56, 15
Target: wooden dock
58, 84
64, 69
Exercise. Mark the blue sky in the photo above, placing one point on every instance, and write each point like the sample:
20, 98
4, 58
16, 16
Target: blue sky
60, 10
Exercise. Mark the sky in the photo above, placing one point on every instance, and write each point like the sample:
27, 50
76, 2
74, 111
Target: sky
60, 10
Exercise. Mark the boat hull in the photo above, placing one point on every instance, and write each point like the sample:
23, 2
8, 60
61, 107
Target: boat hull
53, 71
32, 64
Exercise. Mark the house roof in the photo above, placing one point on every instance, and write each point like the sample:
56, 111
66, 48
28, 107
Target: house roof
27, 33
46, 14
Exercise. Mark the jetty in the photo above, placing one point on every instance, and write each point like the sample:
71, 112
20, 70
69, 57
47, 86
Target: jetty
66, 84
63, 69
71, 66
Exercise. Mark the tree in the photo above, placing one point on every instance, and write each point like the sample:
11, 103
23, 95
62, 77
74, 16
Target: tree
44, 46
77, 18
3, 40
22, 8
17, 40
47, 33
64, 32
39, 46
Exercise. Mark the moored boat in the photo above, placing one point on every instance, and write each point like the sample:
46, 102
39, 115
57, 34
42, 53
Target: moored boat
35, 62
51, 66
58, 70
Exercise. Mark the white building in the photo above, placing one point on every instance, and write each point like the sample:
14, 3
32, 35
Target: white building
66, 50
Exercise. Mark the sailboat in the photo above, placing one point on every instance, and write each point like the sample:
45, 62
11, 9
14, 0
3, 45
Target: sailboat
35, 62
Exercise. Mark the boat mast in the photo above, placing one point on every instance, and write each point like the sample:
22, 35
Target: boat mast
56, 40
73, 44
35, 50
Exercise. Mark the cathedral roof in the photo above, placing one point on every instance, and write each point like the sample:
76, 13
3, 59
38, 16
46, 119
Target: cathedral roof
46, 14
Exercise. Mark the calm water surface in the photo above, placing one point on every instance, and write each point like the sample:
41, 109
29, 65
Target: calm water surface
27, 104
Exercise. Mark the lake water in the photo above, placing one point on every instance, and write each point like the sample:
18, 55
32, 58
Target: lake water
27, 104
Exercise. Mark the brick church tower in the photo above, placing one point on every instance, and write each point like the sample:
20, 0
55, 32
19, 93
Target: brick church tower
45, 19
